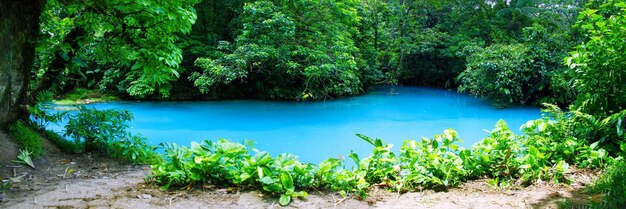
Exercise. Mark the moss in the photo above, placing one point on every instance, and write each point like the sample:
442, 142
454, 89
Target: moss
27, 138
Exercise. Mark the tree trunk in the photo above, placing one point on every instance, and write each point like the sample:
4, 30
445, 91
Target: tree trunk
19, 27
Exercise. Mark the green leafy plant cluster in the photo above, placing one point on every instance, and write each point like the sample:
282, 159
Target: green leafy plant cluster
232, 164
598, 63
105, 131
24, 158
280, 51
97, 127
91, 129
510, 74
437, 163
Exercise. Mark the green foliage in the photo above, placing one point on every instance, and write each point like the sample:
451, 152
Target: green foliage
97, 128
40, 113
67, 146
611, 187
282, 54
563, 135
24, 158
432, 162
131, 45
301, 50
598, 63
546, 151
105, 131
27, 138
498, 73
228, 163
496, 156
133, 148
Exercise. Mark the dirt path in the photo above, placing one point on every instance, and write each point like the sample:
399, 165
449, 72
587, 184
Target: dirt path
90, 181
121, 187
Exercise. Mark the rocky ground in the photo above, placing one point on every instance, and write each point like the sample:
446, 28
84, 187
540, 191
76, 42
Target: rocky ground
91, 181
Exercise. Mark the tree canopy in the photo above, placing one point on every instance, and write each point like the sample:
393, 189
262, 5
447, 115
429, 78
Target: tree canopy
510, 52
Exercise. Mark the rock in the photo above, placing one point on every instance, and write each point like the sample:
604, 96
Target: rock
144, 196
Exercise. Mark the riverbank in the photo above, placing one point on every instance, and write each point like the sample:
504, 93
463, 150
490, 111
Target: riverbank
93, 181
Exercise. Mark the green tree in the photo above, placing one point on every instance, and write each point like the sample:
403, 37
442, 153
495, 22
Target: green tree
598, 64
131, 43
289, 50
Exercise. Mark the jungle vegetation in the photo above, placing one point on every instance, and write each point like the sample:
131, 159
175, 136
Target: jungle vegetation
569, 53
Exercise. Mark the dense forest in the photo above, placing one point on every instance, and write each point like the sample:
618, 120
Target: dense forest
569, 53
509, 52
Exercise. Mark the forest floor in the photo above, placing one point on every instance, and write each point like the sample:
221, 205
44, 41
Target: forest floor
90, 181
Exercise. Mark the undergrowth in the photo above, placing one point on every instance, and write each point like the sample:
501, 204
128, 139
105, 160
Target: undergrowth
610, 187
26, 138
548, 149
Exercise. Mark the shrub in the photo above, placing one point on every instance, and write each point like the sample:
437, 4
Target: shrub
97, 128
432, 162
496, 156
40, 112
499, 73
598, 63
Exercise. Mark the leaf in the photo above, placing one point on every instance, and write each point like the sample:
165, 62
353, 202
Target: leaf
259, 171
587, 26
197, 160
267, 180
136, 66
286, 180
284, 199
355, 158
300, 194
376, 142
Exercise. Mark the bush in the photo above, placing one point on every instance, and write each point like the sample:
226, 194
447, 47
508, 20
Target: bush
105, 131
598, 63
134, 148
499, 73
436, 163
27, 138
97, 128
524, 73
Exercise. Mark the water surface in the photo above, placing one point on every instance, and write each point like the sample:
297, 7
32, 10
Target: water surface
317, 130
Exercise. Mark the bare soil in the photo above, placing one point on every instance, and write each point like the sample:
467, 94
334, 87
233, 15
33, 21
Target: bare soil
92, 181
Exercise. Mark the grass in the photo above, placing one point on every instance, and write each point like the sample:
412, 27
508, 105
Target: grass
63, 144
610, 188
83, 96
27, 138
608, 191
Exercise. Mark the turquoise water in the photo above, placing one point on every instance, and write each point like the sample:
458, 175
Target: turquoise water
317, 130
